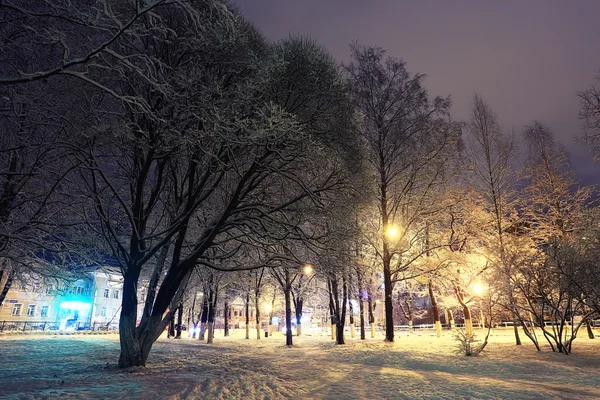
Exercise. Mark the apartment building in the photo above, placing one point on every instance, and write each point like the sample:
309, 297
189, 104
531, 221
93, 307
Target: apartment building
89, 303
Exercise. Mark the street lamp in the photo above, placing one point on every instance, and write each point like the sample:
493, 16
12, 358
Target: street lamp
308, 269
392, 232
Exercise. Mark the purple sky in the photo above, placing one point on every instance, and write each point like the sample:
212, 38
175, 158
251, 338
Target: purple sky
527, 58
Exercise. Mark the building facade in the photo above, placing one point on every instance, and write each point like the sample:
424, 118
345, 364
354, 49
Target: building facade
89, 303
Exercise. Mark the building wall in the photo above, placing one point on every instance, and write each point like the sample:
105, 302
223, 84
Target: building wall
107, 297
30, 303
79, 304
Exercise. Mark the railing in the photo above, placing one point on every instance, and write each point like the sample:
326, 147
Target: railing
42, 326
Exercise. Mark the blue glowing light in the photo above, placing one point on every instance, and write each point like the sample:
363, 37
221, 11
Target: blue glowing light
75, 305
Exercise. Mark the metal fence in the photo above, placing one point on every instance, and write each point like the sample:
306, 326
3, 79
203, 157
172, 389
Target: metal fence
42, 326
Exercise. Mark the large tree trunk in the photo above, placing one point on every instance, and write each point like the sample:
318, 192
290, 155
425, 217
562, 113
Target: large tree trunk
136, 342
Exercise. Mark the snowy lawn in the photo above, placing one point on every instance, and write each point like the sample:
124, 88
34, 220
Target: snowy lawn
419, 366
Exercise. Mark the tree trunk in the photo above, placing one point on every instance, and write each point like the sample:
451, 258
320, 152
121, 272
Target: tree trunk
299, 306
211, 319
226, 318
468, 321
179, 320
351, 311
371, 316
210, 327
387, 290
257, 312
135, 347
288, 316
341, 312
590, 332
9, 281
204, 317
247, 315
450, 317
435, 311
361, 308
171, 332
516, 330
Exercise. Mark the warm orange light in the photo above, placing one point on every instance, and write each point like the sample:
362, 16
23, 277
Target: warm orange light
478, 288
308, 269
392, 232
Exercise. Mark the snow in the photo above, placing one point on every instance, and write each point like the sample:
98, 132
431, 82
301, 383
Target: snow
416, 366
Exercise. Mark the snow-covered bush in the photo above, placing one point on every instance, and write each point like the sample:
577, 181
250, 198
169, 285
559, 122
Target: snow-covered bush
465, 343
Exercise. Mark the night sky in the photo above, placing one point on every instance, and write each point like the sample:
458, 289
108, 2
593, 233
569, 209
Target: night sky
527, 58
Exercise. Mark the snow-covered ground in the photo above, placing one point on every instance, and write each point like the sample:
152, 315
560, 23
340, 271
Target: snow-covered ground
417, 366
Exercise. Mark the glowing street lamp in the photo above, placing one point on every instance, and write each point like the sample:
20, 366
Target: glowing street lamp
392, 232
479, 289
308, 269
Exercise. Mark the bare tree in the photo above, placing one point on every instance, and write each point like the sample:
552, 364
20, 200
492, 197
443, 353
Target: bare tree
492, 157
408, 141
589, 113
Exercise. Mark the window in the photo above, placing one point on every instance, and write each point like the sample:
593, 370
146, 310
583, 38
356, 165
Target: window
235, 313
114, 312
79, 289
115, 294
106, 293
44, 311
16, 311
103, 312
31, 310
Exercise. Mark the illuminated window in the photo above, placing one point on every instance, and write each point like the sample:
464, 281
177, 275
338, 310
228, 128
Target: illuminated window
16, 311
106, 293
44, 311
115, 294
31, 310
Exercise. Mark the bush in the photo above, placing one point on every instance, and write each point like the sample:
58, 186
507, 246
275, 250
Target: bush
465, 343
